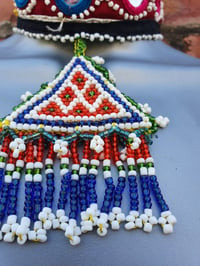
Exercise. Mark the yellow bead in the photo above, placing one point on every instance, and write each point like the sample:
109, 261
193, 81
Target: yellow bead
114, 124
5, 123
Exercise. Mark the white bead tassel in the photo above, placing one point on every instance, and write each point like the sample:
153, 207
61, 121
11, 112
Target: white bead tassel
148, 220
9, 229
38, 234
46, 216
102, 224
73, 232
60, 221
89, 218
22, 230
133, 220
167, 221
116, 217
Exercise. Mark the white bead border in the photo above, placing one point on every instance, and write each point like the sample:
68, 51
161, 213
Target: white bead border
91, 37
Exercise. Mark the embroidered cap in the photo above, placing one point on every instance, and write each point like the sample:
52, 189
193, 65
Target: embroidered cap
110, 20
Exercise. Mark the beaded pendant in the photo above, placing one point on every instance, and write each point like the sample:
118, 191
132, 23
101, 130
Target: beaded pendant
84, 121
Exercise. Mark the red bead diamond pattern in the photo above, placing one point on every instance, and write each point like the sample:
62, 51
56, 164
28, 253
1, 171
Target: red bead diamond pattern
91, 94
79, 110
82, 107
79, 80
67, 96
51, 109
106, 107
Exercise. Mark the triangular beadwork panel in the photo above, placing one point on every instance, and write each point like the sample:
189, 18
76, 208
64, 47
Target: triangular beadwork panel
80, 95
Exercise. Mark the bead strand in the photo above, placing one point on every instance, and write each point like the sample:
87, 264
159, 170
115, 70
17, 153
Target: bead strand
65, 181
4, 148
1, 177
91, 180
3, 199
144, 179
122, 174
158, 194
37, 195
108, 197
147, 220
50, 187
91, 184
73, 199
83, 176
28, 203
74, 183
116, 216
12, 202
109, 191
133, 186
154, 184
14, 186
65, 186
37, 186
74, 153
9, 168
166, 219
3, 157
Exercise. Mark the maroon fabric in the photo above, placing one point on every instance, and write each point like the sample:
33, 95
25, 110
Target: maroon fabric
103, 11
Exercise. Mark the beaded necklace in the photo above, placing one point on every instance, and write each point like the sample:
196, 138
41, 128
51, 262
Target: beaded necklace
89, 125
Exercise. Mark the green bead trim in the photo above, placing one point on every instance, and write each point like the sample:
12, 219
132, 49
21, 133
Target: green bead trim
2, 159
149, 165
129, 141
106, 168
64, 166
49, 137
93, 167
120, 168
154, 127
140, 165
32, 137
18, 169
37, 171
29, 171
42, 87
75, 172
8, 173
80, 47
48, 166
100, 69
84, 165
131, 167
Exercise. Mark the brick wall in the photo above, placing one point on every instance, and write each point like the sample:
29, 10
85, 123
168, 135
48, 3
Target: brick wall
181, 26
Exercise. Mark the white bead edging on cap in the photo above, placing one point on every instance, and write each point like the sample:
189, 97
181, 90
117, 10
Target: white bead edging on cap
99, 37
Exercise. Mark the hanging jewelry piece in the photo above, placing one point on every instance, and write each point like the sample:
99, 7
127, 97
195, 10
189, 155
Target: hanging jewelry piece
83, 121
83, 108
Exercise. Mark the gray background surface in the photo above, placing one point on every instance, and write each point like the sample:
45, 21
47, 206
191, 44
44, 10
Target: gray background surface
149, 72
